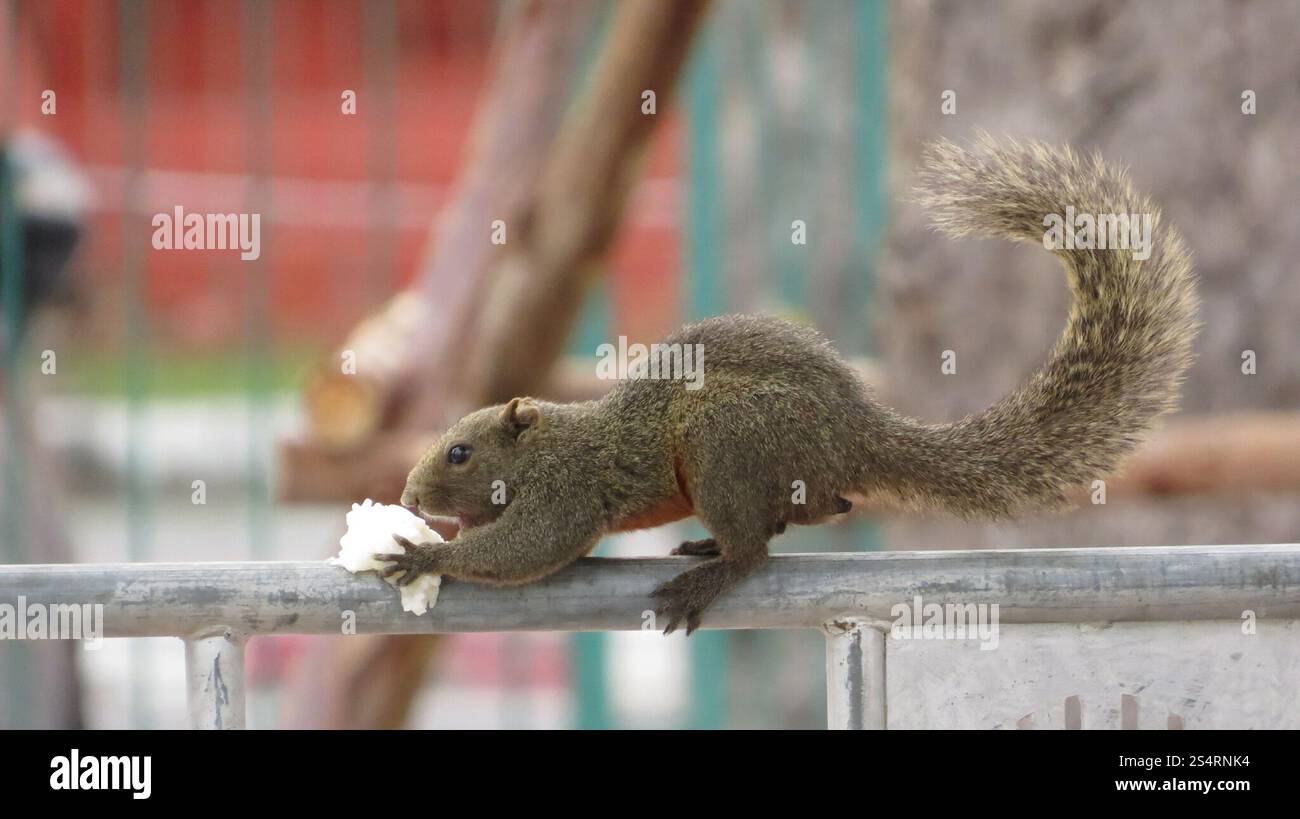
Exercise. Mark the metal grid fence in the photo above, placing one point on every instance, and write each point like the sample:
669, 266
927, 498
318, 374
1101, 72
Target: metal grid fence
216, 607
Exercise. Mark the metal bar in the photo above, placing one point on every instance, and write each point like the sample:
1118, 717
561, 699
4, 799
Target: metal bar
214, 677
609, 594
855, 675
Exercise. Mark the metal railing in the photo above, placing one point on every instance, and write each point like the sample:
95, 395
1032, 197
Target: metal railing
215, 607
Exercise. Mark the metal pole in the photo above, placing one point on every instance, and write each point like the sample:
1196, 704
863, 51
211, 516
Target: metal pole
855, 675
1172, 584
214, 677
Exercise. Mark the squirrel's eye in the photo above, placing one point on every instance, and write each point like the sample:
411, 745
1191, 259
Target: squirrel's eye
458, 454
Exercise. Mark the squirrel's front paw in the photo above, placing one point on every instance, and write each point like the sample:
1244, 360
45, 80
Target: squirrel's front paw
419, 559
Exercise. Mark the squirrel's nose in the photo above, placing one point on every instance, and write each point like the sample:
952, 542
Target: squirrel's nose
409, 498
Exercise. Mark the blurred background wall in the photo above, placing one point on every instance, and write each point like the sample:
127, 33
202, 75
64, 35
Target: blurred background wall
1156, 86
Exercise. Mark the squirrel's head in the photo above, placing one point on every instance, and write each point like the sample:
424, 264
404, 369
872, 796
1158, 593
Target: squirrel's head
467, 473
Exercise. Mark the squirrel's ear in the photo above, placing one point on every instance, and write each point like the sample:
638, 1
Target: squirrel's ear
521, 414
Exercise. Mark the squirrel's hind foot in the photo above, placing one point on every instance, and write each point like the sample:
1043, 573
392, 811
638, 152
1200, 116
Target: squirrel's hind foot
686, 596
708, 547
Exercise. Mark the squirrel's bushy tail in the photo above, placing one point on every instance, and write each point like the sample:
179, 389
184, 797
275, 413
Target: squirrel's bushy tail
1117, 366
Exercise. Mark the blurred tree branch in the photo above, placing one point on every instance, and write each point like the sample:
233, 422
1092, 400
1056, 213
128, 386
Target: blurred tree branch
495, 317
411, 348
371, 681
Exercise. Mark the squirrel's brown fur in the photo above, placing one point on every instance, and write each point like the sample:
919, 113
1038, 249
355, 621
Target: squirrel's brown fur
778, 405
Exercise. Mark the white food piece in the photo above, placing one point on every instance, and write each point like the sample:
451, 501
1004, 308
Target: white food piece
371, 527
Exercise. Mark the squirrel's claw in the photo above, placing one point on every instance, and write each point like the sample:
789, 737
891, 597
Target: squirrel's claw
397, 564
707, 547
418, 559
675, 609
409, 578
686, 596
390, 570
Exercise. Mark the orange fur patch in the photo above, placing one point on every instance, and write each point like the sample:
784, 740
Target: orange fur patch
675, 508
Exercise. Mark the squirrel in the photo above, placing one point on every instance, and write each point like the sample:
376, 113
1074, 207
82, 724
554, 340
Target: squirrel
779, 406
